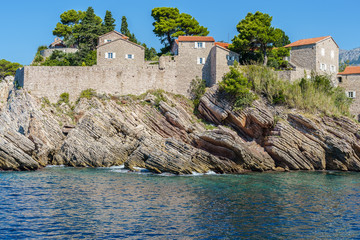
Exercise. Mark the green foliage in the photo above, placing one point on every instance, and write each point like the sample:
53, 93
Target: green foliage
124, 26
109, 22
159, 96
64, 98
283, 40
343, 65
170, 23
197, 90
314, 95
238, 86
150, 53
8, 68
255, 33
88, 93
276, 58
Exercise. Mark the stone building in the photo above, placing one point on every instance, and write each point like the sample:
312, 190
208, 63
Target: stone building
349, 79
320, 55
203, 57
57, 45
115, 48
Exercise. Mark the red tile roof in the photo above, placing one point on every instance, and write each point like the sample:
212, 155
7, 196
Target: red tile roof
350, 70
308, 41
222, 44
195, 39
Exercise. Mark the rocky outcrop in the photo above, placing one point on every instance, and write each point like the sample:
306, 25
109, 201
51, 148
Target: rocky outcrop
163, 135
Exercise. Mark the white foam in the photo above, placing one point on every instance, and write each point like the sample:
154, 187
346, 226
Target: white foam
55, 166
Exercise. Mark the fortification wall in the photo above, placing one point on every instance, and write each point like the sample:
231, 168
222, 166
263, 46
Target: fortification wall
50, 82
295, 74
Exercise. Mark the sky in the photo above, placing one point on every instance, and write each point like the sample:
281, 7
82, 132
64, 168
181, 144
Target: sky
27, 24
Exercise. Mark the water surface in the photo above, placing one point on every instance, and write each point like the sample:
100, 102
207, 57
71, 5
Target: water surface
108, 203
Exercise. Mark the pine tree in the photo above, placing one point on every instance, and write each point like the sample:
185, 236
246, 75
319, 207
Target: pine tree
109, 22
124, 27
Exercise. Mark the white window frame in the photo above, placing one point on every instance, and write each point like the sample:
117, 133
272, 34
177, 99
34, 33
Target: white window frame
323, 66
351, 94
201, 60
107, 40
108, 54
230, 58
332, 68
202, 44
322, 51
332, 54
129, 56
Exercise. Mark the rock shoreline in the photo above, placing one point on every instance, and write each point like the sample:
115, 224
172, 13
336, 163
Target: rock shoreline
162, 134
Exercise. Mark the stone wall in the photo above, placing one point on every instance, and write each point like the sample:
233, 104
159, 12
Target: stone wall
50, 82
294, 74
351, 83
223, 63
47, 52
304, 56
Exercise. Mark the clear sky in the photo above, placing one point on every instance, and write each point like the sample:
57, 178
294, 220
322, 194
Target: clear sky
27, 24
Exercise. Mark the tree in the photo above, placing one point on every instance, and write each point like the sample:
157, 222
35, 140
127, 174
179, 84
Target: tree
109, 22
343, 65
255, 33
69, 21
8, 68
169, 24
124, 26
150, 53
283, 40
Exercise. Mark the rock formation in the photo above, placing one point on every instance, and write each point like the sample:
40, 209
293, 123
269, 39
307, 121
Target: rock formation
160, 132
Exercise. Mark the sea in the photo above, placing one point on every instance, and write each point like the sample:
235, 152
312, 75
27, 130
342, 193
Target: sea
111, 203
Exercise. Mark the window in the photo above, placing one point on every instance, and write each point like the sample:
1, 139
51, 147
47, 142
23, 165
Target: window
200, 60
340, 79
230, 58
199, 44
351, 94
332, 54
332, 68
107, 40
322, 51
110, 55
323, 66
129, 56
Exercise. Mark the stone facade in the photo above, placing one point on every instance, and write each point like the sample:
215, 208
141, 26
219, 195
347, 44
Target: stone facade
120, 52
121, 69
350, 81
320, 55
202, 57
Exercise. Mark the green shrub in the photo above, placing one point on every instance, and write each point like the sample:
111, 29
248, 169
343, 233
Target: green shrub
197, 90
64, 98
88, 93
238, 86
159, 96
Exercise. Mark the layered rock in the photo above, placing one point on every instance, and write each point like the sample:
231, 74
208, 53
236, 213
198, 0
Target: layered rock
163, 135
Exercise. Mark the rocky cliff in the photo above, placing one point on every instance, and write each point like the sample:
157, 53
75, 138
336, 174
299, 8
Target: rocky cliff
160, 132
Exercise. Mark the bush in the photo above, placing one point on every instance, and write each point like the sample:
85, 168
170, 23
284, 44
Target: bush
311, 95
88, 93
64, 98
8, 68
197, 90
238, 86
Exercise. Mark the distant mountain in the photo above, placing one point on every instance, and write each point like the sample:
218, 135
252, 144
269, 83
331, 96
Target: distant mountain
352, 55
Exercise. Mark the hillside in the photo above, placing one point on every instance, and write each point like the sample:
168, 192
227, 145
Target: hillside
352, 55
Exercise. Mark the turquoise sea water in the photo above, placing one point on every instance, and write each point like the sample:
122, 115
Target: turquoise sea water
108, 203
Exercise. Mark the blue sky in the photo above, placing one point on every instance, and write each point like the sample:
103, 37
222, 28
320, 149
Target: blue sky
26, 24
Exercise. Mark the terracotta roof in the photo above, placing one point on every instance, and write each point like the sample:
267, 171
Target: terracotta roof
195, 39
222, 44
350, 70
308, 41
